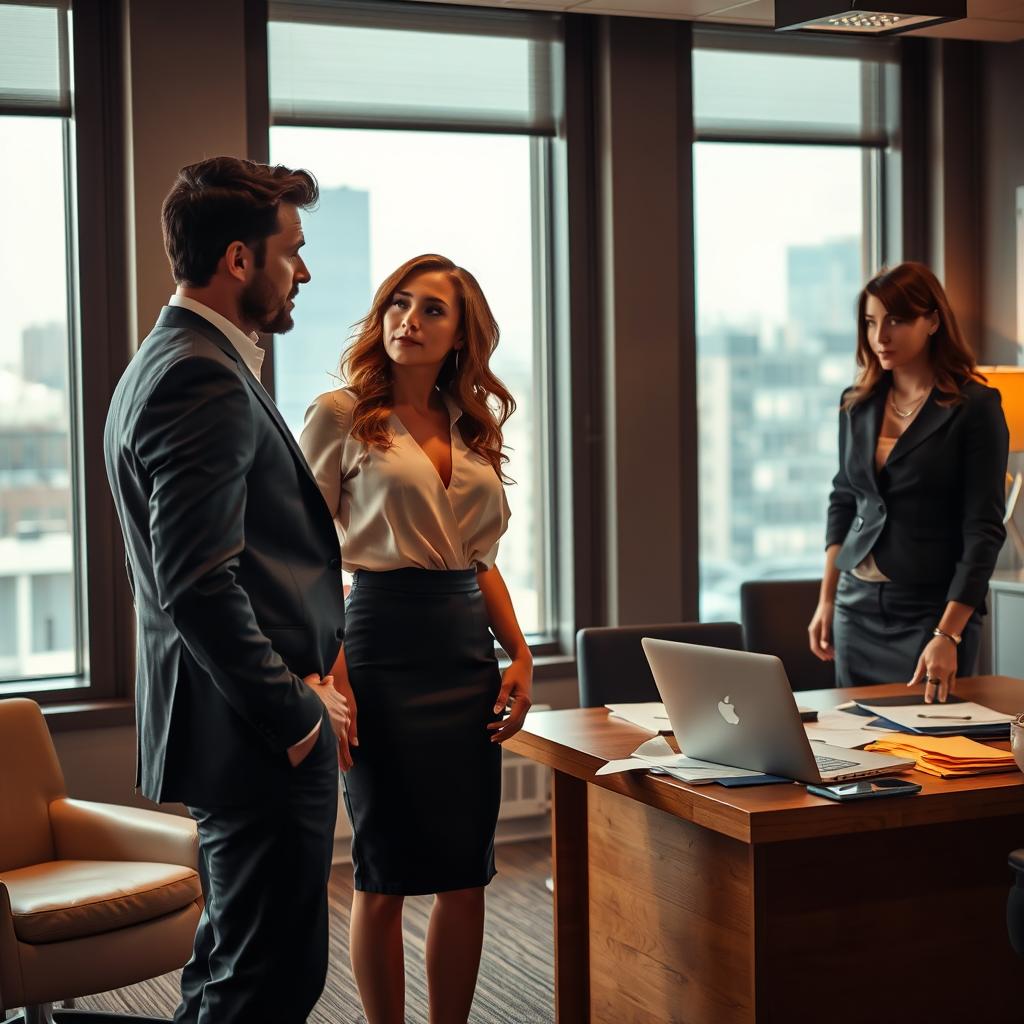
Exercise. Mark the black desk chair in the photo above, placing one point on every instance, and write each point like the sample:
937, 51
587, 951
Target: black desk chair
775, 616
1015, 903
612, 666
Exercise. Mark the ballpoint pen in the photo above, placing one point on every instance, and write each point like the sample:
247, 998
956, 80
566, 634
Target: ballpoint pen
952, 718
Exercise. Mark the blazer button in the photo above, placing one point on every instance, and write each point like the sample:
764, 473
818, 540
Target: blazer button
334, 563
339, 633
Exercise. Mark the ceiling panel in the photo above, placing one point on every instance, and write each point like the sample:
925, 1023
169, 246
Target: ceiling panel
753, 12
680, 9
987, 20
976, 29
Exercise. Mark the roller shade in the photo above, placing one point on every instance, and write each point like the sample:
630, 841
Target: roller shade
352, 65
840, 91
34, 64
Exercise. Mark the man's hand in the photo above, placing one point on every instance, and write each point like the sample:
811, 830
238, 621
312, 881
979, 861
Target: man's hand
298, 752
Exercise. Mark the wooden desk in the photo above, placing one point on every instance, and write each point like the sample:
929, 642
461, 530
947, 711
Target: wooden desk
702, 904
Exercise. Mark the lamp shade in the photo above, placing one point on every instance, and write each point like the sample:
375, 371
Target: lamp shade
1009, 382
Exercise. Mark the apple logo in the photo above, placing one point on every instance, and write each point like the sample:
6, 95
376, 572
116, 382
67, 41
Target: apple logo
728, 712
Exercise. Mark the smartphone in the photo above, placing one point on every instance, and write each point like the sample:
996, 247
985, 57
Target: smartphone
862, 789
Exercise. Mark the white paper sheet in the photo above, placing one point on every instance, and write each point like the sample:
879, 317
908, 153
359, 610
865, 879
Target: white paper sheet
840, 729
650, 716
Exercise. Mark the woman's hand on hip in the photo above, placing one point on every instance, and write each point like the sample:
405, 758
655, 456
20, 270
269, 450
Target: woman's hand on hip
936, 668
819, 632
516, 687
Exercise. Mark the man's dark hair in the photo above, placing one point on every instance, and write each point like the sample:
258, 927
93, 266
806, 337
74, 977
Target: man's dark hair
223, 200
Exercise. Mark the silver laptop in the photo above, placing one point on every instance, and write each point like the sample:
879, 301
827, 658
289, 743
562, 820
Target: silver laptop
738, 709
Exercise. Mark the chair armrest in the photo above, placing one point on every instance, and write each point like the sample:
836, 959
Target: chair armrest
83, 830
11, 993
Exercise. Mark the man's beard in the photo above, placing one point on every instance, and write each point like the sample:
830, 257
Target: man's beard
260, 305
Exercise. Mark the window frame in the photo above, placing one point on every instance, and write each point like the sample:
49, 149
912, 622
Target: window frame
98, 305
883, 212
550, 642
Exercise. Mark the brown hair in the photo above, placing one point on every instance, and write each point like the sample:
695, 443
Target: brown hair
908, 291
485, 402
222, 200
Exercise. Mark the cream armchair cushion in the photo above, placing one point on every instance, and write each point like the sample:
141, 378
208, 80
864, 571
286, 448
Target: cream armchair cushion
92, 896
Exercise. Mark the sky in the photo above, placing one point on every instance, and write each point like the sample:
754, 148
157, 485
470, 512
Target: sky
33, 272
468, 197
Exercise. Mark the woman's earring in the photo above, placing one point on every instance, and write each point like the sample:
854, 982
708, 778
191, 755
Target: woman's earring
457, 351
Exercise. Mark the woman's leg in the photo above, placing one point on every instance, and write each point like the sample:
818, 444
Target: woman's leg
454, 941
378, 956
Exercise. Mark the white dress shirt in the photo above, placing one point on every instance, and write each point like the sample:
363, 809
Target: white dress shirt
244, 344
390, 506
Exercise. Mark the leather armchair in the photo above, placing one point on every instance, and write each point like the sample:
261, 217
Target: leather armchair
92, 896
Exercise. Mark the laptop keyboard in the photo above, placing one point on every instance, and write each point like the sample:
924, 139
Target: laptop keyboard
833, 764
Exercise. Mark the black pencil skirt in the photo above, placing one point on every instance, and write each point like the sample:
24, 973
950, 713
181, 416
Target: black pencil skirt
424, 790
880, 629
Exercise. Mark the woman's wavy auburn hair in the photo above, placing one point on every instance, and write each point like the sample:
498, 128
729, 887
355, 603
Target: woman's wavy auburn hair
485, 402
908, 291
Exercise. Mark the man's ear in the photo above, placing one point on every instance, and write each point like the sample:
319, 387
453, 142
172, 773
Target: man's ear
238, 258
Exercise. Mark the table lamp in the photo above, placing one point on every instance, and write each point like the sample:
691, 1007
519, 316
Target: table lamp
1009, 382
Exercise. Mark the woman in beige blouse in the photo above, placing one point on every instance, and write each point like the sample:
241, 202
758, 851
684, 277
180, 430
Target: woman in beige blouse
409, 459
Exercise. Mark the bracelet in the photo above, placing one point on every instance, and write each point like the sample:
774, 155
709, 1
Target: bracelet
955, 637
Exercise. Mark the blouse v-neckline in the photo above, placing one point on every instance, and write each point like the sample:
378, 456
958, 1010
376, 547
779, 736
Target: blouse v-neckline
452, 418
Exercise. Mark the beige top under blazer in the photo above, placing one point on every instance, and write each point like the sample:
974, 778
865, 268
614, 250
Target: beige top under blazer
390, 507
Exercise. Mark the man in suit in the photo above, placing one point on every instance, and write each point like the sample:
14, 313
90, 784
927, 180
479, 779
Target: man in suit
235, 566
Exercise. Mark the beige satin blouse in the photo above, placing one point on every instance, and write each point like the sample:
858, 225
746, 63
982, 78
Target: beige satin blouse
390, 507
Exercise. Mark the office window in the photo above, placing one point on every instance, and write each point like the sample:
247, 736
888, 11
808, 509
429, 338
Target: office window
39, 552
788, 222
451, 156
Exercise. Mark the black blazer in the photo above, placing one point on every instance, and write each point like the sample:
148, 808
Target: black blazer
234, 563
934, 514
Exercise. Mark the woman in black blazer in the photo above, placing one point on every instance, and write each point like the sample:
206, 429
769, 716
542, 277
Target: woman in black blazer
915, 518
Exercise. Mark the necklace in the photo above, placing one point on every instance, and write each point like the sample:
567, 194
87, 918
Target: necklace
910, 412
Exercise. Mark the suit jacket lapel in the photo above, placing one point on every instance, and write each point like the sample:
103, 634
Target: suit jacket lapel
866, 424
177, 316
925, 423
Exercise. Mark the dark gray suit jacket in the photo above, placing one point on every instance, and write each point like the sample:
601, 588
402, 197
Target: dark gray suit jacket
934, 514
234, 563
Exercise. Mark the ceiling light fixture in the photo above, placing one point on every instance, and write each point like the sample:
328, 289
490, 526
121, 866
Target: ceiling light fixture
850, 16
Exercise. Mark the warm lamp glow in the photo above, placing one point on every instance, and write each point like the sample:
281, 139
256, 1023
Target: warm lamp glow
1009, 382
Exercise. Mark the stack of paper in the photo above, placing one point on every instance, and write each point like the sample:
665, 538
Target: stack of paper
948, 757
962, 718
657, 756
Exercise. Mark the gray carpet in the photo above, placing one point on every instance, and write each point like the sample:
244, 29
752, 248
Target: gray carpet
516, 983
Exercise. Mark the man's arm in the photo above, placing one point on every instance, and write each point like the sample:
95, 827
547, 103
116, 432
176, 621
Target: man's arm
196, 441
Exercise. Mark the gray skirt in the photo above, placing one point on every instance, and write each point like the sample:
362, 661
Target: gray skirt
880, 629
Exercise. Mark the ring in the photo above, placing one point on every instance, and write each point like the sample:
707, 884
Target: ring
934, 680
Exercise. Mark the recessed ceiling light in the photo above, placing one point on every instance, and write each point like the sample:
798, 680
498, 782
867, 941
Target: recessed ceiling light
837, 16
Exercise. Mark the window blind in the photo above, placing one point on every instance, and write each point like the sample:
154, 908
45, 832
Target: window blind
34, 62
393, 65
749, 86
